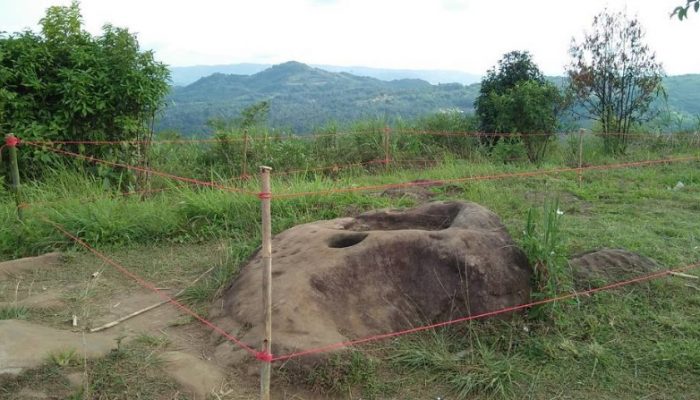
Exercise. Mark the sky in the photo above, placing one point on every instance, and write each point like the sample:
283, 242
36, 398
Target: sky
463, 35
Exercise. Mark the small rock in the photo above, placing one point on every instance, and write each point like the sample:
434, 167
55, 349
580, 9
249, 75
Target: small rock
679, 186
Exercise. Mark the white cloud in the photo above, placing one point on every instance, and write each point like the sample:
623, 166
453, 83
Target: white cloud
465, 35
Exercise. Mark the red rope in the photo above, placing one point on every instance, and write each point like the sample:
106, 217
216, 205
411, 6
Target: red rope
338, 134
153, 288
147, 170
11, 141
438, 182
505, 310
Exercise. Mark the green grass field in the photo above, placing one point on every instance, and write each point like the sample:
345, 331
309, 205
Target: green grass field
641, 341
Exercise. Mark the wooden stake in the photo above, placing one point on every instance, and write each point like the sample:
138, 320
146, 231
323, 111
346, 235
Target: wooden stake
580, 157
14, 172
387, 146
245, 153
682, 275
265, 196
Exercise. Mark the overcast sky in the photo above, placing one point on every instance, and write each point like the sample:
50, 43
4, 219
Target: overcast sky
466, 35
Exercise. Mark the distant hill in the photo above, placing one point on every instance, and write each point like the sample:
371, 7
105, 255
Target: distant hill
303, 98
183, 76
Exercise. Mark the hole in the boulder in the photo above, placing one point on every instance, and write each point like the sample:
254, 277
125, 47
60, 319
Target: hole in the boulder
346, 240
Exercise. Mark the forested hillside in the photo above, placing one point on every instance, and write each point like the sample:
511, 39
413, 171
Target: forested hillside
183, 76
303, 98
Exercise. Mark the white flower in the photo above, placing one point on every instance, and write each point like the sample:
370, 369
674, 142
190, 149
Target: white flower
560, 212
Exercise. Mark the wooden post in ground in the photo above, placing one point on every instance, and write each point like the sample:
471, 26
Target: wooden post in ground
265, 197
245, 154
580, 157
11, 142
387, 146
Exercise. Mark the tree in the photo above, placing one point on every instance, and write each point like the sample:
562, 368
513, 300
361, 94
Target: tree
64, 84
515, 98
682, 11
614, 77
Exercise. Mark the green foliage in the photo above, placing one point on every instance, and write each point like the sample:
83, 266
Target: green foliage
542, 242
347, 372
515, 98
466, 368
64, 84
614, 77
14, 312
682, 11
303, 99
64, 358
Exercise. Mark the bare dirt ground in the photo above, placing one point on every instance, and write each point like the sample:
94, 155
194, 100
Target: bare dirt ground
52, 290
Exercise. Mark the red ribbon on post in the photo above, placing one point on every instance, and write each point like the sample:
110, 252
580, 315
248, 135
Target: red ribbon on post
264, 195
264, 356
11, 141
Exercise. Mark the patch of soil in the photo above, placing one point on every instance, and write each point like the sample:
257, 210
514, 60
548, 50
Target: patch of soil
26, 345
44, 300
124, 304
28, 264
198, 377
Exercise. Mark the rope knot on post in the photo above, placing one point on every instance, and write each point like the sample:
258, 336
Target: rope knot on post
264, 356
264, 195
11, 141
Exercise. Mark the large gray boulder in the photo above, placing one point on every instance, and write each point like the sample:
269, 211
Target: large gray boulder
379, 272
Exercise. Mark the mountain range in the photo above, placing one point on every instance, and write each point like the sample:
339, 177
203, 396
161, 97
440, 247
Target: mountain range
183, 76
303, 98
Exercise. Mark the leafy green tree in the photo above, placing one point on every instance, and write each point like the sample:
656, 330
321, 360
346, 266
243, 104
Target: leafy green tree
515, 98
530, 109
682, 11
64, 84
614, 77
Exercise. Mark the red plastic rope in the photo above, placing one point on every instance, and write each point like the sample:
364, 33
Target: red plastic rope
264, 356
264, 195
338, 134
438, 182
335, 346
12, 141
150, 171
153, 288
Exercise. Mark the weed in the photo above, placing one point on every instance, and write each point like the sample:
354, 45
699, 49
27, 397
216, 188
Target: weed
462, 368
14, 312
543, 244
347, 372
64, 358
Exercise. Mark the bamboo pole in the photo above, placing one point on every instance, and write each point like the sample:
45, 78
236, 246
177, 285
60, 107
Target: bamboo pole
245, 154
266, 250
11, 142
580, 157
387, 146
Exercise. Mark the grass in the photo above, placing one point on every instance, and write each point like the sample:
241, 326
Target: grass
640, 341
14, 312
